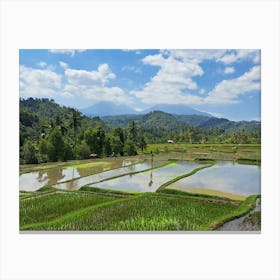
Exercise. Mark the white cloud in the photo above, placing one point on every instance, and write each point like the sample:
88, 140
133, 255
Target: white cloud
67, 94
38, 82
63, 65
70, 52
228, 91
172, 81
202, 91
42, 64
83, 77
92, 85
239, 55
196, 55
229, 70
217, 115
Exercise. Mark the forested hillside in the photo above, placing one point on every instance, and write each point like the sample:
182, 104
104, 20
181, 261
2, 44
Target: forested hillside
50, 132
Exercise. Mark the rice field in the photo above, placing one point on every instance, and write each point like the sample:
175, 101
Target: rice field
95, 210
201, 192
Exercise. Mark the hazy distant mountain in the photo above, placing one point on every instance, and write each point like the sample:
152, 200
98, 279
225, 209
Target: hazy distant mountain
178, 109
228, 125
107, 108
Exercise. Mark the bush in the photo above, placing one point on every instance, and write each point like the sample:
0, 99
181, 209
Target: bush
82, 150
29, 152
130, 148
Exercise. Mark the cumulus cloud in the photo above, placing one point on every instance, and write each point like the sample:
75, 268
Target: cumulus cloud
93, 85
228, 91
229, 70
70, 52
239, 55
63, 65
196, 56
84, 77
172, 81
38, 82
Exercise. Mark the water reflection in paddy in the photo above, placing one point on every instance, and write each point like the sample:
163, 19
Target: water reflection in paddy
148, 181
77, 184
226, 177
33, 181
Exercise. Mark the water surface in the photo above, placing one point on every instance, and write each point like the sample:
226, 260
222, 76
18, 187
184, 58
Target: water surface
149, 181
225, 177
77, 184
33, 181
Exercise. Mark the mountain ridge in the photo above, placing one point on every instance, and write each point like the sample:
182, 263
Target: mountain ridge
108, 108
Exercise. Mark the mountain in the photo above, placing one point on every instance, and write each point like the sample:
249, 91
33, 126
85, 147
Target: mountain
194, 120
107, 108
177, 109
154, 119
229, 126
159, 119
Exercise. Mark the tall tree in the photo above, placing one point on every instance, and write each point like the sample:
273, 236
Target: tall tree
60, 124
56, 145
142, 143
75, 122
29, 152
133, 131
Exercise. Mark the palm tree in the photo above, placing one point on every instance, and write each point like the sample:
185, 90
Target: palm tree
142, 143
60, 124
75, 122
133, 131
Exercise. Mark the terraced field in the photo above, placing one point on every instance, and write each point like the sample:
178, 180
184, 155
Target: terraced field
99, 210
173, 191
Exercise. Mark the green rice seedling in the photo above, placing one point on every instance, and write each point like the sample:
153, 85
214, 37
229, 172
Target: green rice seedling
143, 213
44, 208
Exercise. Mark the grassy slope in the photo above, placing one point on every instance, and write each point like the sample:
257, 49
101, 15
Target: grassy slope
148, 211
44, 208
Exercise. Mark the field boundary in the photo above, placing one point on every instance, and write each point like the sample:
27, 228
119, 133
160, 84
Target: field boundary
163, 186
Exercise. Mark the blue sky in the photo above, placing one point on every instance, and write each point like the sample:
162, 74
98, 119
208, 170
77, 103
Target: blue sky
225, 83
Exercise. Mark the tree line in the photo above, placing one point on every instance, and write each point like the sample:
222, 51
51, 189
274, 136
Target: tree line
58, 142
49, 132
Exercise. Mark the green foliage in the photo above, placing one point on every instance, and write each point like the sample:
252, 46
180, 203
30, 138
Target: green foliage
130, 148
56, 146
47, 207
116, 145
82, 150
107, 146
142, 143
29, 152
43, 151
94, 137
139, 212
68, 151
61, 133
133, 131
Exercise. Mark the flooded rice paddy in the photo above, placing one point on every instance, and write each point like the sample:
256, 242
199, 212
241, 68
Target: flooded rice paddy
77, 184
223, 179
149, 181
35, 180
